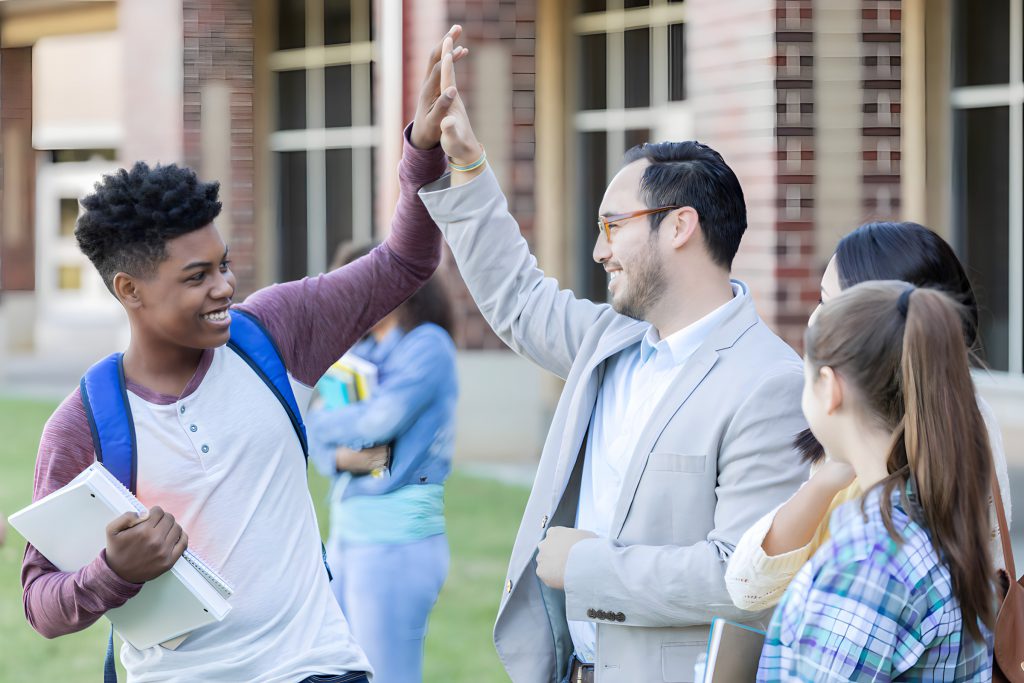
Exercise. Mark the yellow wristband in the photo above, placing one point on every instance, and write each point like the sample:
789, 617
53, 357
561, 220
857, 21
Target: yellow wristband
470, 167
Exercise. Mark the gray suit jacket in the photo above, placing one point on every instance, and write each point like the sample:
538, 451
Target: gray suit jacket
716, 455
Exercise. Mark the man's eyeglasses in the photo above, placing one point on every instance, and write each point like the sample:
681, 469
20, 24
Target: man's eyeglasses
606, 223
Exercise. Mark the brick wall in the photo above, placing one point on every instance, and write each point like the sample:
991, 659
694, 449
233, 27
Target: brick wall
797, 277
218, 48
732, 65
17, 232
512, 24
881, 91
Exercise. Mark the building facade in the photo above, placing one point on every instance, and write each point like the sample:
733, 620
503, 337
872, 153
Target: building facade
832, 114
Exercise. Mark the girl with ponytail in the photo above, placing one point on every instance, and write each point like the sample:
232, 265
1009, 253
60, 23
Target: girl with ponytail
770, 553
903, 589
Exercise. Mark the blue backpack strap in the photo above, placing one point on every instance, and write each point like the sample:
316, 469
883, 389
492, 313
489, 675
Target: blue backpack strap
109, 668
105, 399
251, 341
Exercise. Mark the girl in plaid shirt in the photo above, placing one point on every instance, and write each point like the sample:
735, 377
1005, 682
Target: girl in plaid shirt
902, 590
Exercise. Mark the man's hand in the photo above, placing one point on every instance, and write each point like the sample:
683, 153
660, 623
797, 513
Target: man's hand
457, 137
433, 104
553, 554
361, 462
140, 549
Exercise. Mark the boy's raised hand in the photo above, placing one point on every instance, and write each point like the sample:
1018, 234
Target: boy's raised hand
433, 104
140, 549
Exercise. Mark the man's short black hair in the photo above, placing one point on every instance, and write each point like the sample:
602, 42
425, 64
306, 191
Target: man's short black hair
692, 174
132, 214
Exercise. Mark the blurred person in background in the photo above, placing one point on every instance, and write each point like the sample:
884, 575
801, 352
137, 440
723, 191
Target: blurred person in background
772, 551
387, 546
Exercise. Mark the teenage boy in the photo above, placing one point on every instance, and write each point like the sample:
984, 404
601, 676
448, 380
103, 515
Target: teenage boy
674, 431
219, 463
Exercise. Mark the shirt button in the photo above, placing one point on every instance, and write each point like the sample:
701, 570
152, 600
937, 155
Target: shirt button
508, 586
193, 428
205, 448
544, 522
182, 409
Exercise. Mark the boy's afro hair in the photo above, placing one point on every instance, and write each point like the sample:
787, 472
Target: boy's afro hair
132, 214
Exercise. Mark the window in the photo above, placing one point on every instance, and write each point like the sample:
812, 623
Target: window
988, 129
631, 87
325, 130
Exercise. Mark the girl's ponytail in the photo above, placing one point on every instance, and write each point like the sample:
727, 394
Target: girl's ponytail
945, 443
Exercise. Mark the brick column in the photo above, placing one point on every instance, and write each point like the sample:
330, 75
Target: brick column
880, 43
510, 27
797, 276
219, 83
750, 80
17, 171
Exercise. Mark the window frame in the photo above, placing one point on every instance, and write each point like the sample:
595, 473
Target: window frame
1011, 95
316, 138
615, 120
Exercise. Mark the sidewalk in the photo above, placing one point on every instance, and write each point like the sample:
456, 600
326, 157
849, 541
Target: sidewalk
37, 377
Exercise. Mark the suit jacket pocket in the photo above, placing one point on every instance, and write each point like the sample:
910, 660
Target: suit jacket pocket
661, 461
678, 660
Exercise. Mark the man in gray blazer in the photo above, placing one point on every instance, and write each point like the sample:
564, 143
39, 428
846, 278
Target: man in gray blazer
674, 431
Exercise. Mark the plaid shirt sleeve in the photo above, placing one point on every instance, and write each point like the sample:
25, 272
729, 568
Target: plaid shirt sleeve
843, 624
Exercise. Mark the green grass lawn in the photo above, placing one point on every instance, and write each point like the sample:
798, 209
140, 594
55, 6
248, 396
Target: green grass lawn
482, 520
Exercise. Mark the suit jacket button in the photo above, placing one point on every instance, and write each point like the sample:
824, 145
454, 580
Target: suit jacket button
544, 522
592, 613
620, 617
601, 614
508, 586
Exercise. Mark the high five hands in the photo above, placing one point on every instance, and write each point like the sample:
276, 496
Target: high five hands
440, 113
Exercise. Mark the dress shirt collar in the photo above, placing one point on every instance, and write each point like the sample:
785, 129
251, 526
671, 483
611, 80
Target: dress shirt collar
677, 348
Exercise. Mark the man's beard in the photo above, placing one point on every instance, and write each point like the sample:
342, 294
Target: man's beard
645, 284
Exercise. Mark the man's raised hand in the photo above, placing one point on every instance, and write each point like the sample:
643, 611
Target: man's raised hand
457, 137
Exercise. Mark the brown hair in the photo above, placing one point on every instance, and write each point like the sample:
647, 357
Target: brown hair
428, 304
902, 349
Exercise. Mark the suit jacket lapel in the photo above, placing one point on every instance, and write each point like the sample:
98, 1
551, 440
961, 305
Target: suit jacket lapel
581, 408
693, 373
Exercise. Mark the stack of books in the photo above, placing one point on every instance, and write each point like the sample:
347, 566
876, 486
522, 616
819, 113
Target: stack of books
351, 379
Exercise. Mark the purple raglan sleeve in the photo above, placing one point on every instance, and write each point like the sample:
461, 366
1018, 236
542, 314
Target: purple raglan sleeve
316, 319
56, 602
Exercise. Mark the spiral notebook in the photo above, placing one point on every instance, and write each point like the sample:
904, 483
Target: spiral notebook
69, 528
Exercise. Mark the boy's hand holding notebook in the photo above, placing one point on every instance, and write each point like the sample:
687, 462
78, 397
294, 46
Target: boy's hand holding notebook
141, 547
73, 524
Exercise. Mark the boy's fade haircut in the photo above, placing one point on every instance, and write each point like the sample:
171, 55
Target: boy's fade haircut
131, 215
